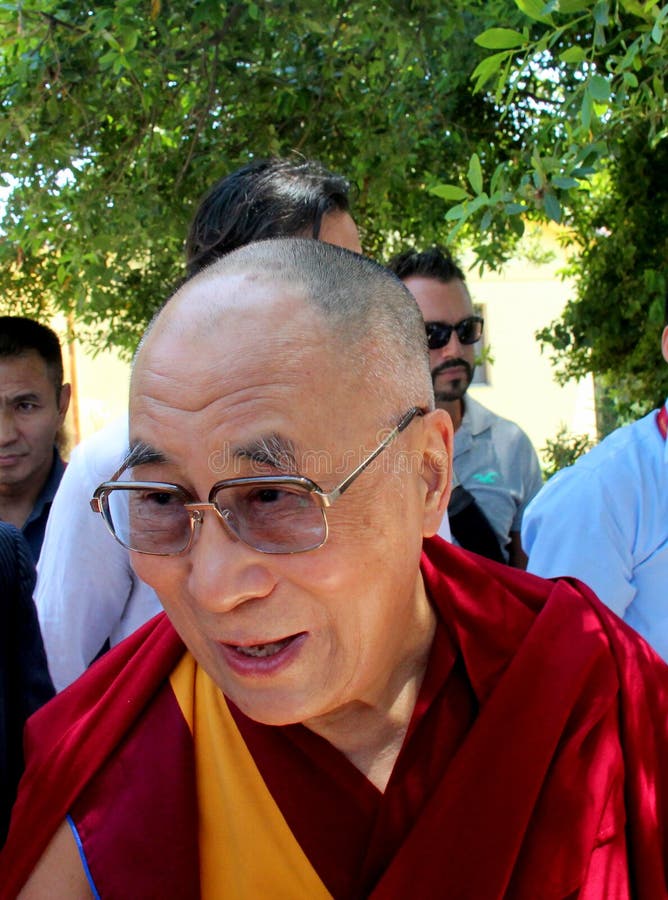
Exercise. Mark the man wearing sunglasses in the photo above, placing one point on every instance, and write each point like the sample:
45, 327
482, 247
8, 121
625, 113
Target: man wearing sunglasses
336, 704
496, 469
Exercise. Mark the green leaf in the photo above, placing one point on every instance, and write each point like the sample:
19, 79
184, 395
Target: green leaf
500, 39
456, 212
657, 33
474, 173
599, 87
467, 209
586, 110
573, 55
449, 192
564, 182
488, 67
128, 38
513, 209
552, 206
534, 9
568, 7
602, 12
599, 36
632, 6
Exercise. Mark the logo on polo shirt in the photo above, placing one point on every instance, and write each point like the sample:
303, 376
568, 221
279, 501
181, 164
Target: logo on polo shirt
488, 477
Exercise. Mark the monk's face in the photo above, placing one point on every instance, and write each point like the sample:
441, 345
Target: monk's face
289, 638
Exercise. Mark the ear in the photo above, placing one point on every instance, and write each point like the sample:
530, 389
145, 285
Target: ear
664, 343
64, 401
437, 468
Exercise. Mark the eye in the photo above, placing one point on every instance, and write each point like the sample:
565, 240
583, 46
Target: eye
160, 498
266, 495
26, 406
270, 499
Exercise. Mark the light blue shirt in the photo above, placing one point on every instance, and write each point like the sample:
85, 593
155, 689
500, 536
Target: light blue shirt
604, 520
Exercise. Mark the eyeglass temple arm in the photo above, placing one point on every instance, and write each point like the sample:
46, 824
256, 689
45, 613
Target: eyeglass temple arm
328, 499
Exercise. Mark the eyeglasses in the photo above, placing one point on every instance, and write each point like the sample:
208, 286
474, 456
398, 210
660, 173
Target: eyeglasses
468, 331
272, 514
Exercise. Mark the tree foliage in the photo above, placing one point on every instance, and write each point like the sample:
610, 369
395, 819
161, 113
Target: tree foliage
581, 86
568, 85
117, 118
612, 326
458, 121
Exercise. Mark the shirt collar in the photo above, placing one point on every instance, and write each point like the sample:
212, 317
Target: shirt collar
476, 416
48, 492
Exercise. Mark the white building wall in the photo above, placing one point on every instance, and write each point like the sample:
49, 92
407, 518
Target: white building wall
519, 301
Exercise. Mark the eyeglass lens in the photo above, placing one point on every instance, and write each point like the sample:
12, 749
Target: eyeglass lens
273, 518
270, 518
468, 331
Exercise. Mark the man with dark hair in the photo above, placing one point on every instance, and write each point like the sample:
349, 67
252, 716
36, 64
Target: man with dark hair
604, 520
87, 593
335, 705
33, 404
271, 198
494, 462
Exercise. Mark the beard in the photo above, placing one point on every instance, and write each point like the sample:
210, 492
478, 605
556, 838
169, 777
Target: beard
455, 389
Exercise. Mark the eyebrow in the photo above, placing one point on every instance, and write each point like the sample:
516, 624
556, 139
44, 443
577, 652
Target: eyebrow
271, 450
142, 454
30, 396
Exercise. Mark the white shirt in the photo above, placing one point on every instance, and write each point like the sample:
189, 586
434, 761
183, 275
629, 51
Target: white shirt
86, 589
604, 520
495, 460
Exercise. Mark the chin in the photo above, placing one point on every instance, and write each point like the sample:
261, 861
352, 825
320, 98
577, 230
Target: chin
270, 711
449, 396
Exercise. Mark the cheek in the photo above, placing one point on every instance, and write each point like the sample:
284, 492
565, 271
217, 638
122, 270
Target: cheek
160, 574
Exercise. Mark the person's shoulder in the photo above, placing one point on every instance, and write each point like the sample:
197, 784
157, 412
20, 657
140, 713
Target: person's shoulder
483, 418
10, 537
17, 570
626, 447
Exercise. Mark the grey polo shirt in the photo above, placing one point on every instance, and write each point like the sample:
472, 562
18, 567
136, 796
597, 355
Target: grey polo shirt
495, 460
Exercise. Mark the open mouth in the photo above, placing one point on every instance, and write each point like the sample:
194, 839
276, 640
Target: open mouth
265, 657
259, 651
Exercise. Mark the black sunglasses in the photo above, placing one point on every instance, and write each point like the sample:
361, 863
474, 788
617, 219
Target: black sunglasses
469, 331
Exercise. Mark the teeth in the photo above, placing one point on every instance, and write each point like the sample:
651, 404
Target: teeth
260, 650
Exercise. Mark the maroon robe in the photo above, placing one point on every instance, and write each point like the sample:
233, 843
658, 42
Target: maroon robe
536, 763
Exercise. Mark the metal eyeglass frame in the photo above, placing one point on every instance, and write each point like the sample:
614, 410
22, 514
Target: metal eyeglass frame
196, 508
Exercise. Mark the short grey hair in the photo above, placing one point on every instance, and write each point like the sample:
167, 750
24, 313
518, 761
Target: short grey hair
374, 320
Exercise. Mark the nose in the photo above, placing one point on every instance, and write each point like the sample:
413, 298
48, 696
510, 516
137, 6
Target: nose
225, 572
8, 429
451, 349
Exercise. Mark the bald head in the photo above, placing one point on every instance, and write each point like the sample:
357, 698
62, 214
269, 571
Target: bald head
307, 290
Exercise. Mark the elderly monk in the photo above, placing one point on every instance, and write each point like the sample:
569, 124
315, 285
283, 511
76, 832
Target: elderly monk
334, 705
